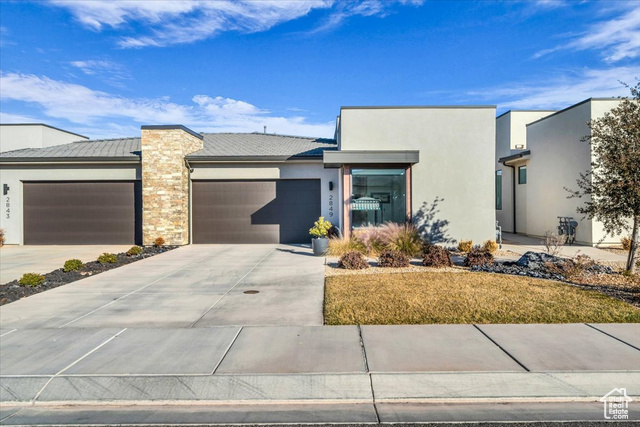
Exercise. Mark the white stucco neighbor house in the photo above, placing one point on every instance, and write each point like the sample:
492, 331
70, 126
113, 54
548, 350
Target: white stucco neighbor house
34, 135
431, 165
538, 155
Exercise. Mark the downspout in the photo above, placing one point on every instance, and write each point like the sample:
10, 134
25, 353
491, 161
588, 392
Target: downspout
513, 179
189, 169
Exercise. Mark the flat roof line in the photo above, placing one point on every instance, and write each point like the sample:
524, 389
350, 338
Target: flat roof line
169, 127
573, 106
525, 111
45, 125
425, 107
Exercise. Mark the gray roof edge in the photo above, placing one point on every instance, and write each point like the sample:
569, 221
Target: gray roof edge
525, 111
371, 156
312, 138
212, 159
514, 156
169, 127
87, 159
425, 107
45, 125
574, 106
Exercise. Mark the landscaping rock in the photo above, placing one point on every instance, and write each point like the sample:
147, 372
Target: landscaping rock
12, 291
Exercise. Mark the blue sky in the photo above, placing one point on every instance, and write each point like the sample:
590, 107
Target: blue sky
103, 68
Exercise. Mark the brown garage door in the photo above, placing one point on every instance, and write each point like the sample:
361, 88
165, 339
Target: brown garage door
79, 213
277, 211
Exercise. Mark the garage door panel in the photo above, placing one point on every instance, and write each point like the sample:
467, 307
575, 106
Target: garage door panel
81, 212
280, 211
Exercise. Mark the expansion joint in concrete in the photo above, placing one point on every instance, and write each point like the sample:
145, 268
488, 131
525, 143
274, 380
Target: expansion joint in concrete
502, 348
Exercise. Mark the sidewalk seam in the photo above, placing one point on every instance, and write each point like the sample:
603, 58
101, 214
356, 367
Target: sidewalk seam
232, 288
366, 368
233, 341
9, 416
501, 348
612, 336
90, 352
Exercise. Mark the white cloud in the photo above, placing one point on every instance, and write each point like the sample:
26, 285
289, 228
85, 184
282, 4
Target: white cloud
617, 38
175, 22
561, 92
109, 115
108, 71
16, 118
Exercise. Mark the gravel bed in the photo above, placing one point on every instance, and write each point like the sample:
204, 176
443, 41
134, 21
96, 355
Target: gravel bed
331, 268
13, 291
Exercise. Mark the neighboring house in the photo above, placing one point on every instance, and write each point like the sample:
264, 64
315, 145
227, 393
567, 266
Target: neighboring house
547, 160
34, 135
385, 164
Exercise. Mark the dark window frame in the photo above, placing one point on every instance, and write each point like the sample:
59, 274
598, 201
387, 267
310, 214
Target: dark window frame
522, 179
499, 190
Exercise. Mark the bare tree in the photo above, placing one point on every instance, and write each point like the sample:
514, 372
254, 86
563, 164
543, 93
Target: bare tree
612, 186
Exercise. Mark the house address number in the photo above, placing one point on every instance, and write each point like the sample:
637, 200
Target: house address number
7, 207
330, 205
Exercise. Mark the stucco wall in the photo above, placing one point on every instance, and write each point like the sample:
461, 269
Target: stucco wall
457, 155
511, 132
503, 149
557, 159
14, 176
253, 171
15, 137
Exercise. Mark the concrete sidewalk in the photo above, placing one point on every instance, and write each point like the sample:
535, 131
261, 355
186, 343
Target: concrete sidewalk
369, 369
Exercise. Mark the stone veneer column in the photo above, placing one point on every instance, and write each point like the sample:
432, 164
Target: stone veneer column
165, 182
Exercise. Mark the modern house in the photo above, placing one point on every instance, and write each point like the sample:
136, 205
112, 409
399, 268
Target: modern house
431, 165
34, 135
538, 155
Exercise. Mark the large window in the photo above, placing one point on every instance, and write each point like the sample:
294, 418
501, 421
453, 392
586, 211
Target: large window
522, 175
378, 196
499, 189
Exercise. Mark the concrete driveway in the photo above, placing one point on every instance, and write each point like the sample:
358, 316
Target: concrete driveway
17, 260
193, 286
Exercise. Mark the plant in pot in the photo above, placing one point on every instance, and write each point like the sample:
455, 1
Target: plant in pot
320, 241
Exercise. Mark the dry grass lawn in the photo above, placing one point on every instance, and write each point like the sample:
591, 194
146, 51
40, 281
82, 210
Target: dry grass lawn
445, 297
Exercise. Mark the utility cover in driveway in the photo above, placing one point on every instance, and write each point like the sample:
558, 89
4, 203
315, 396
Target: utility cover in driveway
81, 213
275, 211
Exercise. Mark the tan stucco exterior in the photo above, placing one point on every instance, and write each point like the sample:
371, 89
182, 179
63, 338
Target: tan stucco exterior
511, 137
457, 154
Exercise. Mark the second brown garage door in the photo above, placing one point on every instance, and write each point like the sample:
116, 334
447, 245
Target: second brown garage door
275, 211
82, 213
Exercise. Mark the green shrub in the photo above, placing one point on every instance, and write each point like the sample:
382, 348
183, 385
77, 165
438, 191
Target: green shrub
107, 258
436, 256
393, 258
134, 250
401, 237
320, 228
340, 246
490, 246
31, 279
478, 256
353, 261
72, 265
465, 245
626, 243
158, 242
